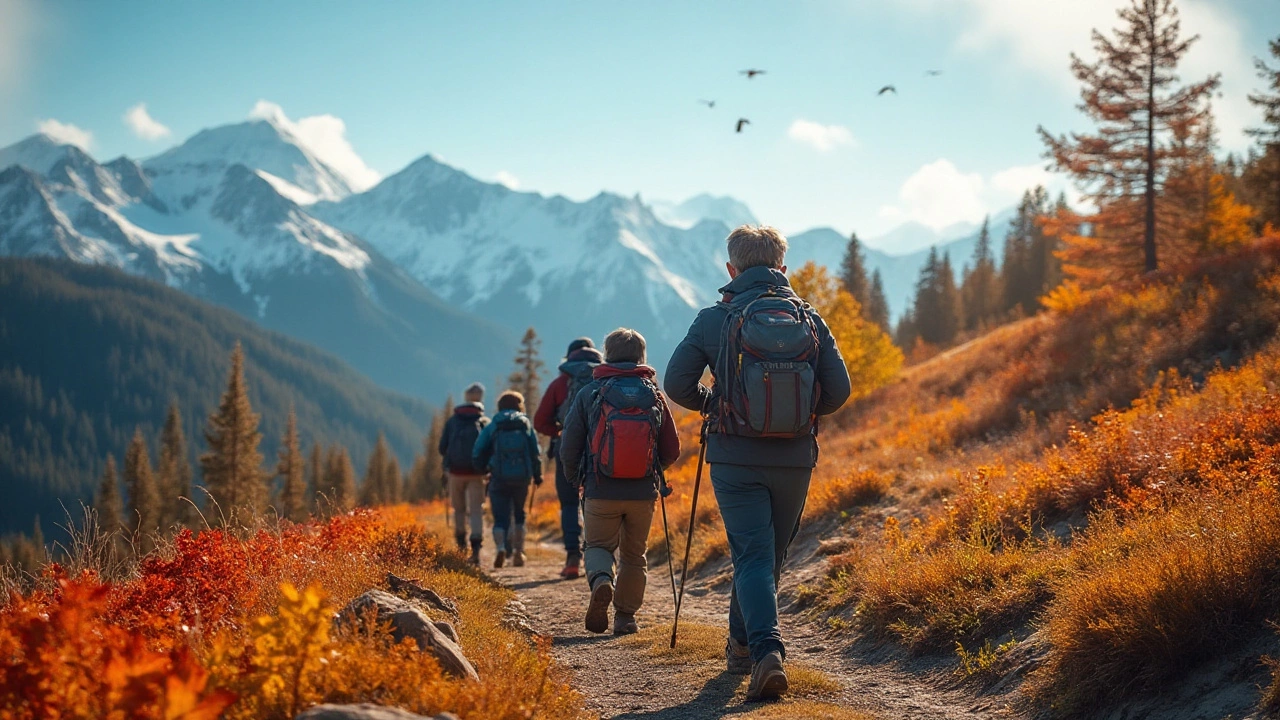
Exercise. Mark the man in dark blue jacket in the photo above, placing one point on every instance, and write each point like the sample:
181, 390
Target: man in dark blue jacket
760, 483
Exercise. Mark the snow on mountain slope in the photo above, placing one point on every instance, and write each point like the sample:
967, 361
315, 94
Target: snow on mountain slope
566, 268
225, 232
263, 144
726, 210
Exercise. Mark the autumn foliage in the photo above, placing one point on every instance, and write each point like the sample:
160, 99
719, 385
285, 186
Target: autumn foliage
224, 625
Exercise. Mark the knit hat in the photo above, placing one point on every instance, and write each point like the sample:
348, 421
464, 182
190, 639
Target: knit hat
582, 342
474, 389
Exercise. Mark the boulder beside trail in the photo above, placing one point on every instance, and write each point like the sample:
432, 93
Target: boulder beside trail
366, 711
414, 590
409, 621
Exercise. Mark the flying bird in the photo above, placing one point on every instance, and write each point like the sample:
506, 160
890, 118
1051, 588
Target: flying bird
888, 89
933, 73
708, 103
751, 73
741, 122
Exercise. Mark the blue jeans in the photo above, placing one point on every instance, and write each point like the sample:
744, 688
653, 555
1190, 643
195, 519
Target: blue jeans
506, 500
761, 507
570, 524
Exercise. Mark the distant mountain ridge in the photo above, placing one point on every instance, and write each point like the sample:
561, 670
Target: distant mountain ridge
423, 281
224, 231
88, 352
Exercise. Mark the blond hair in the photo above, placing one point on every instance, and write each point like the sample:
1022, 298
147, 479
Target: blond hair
511, 400
624, 345
756, 245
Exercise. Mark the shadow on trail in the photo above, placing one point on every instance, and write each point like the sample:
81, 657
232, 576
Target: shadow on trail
581, 639
710, 702
528, 584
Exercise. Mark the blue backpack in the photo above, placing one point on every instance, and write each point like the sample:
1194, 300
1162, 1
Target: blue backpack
510, 462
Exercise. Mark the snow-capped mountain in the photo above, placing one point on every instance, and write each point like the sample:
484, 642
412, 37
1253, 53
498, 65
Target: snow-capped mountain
522, 259
729, 211
226, 231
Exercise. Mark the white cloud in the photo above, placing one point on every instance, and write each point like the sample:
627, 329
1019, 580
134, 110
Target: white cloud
818, 136
505, 178
143, 125
1041, 35
939, 195
326, 137
66, 133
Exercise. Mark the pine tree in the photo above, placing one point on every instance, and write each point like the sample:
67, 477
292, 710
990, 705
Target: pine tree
107, 503
316, 488
392, 480
877, 309
340, 479
980, 290
174, 471
1131, 92
1268, 134
232, 468
951, 306
527, 377
144, 496
289, 466
926, 310
374, 487
853, 273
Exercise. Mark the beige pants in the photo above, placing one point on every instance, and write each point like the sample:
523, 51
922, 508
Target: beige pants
466, 493
620, 526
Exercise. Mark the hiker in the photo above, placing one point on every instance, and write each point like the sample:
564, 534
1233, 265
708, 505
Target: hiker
618, 438
580, 360
466, 482
508, 449
775, 370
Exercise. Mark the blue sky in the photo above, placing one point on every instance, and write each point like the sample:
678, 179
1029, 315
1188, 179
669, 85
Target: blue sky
579, 97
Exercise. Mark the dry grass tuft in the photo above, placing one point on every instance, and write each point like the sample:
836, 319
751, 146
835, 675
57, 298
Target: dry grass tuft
808, 681
860, 487
696, 643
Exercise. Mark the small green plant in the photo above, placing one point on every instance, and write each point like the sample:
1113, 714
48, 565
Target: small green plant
983, 660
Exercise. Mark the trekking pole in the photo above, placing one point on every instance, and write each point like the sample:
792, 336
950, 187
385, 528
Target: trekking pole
693, 514
671, 570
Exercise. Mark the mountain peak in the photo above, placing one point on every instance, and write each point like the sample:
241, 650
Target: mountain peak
41, 153
264, 144
705, 206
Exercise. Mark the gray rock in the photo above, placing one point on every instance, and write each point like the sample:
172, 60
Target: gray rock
414, 590
409, 621
515, 616
365, 711
447, 629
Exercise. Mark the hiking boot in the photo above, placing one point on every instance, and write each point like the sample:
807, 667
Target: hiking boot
572, 567
461, 539
499, 544
499, 558
737, 657
598, 608
475, 552
768, 679
624, 624
517, 545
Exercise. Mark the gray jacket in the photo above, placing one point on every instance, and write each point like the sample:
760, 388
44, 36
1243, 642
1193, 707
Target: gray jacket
700, 349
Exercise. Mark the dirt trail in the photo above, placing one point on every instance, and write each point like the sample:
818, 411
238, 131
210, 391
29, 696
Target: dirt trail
636, 677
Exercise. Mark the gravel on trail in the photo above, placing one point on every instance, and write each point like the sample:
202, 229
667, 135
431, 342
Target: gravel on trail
638, 678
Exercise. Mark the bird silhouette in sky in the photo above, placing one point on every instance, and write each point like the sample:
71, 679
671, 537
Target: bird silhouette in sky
888, 89
708, 103
741, 122
933, 73
751, 73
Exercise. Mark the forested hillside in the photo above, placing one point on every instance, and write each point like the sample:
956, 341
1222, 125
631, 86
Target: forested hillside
88, 354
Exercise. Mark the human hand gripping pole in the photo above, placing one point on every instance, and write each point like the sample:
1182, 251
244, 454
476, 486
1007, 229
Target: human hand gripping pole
693, 514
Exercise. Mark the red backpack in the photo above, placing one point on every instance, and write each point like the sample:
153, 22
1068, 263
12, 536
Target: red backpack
626, 415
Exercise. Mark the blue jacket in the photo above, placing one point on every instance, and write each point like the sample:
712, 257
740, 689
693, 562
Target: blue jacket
483, 451
701, 348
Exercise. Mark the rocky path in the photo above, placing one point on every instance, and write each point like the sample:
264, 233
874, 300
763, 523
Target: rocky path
639, 677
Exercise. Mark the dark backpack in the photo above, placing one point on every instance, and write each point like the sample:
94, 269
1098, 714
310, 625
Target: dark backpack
510, 462
462, 440
767, 369
581, 374
625, 417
